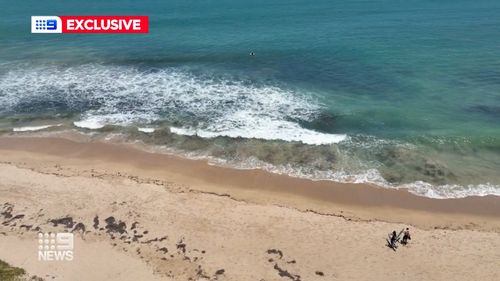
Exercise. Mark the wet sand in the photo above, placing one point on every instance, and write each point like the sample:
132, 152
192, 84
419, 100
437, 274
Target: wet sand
356, 201
186, 219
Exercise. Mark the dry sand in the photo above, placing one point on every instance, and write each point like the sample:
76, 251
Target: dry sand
186, 220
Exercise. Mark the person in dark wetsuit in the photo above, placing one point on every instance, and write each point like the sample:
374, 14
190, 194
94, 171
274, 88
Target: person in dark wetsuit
406, 236
393, 239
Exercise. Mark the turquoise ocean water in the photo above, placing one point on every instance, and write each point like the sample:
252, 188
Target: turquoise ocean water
398, 93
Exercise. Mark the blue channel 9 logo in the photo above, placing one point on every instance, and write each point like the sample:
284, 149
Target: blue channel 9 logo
46, 24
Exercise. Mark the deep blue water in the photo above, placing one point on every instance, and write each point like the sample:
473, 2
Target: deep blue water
414, 86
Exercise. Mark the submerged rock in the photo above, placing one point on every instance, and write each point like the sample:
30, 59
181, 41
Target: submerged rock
403, 165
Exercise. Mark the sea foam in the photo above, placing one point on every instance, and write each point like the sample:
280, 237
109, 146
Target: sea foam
33, 128
146, 130
205, 106
91, 123
268, 131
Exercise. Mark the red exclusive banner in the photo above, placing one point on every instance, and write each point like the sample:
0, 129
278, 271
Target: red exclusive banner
105, 24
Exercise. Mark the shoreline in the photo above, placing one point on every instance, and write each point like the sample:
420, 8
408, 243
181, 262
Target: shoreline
352, 201
161, 217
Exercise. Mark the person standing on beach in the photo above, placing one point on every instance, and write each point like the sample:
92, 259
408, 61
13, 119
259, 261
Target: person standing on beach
406, 236
393, 240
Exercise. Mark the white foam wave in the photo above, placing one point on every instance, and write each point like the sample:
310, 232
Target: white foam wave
451, 190
184, 131
33, 128
269, 131
91, 123
146, 130
113, 95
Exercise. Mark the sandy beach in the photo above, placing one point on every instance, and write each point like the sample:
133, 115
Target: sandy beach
169, 218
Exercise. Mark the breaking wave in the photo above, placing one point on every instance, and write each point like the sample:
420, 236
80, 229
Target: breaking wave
205, 106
